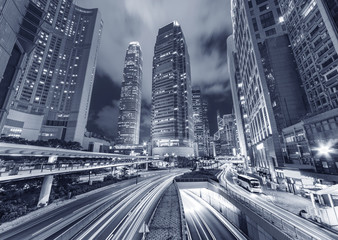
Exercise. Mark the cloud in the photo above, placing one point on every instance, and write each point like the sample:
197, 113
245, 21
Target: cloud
218, 88
205, 24
106, 119
145, 121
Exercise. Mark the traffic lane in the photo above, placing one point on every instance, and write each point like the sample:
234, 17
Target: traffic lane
132, 226
46, 219
110, 206
202, 223
290, 218
217, 228
194, 229
71, 217
115, 219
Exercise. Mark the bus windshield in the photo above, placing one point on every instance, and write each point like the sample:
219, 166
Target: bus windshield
255, 184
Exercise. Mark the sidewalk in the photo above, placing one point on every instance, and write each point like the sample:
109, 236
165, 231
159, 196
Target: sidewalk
286, 200
166, 223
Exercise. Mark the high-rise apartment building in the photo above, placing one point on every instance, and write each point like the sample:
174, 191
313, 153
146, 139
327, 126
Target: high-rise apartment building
20, 23
271, 86
312, 28
201, 128
313, 38
225, 140
131, 96
172, 127
52, 91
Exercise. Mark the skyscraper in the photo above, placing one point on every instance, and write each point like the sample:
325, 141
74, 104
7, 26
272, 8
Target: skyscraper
237, 91
172, 127
312, 27
313, 39
271, 84
52, 92
201, 129
131, 96
20, 24
225, 138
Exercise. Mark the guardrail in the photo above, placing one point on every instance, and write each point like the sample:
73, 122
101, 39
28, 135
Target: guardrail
183, 220
191, 179
290, 229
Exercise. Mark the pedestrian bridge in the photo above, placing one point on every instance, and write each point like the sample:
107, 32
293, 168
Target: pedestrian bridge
10, 149
46, 163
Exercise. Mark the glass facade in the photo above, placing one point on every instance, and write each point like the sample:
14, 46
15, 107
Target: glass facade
12, 14
131, 96
201, 125
269, 82
225, 139
58, 73
315, 54
172, 124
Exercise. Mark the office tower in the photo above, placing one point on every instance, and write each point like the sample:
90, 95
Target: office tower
271, 85
207, 147
201, 129
20, 22
53, 90
237, 91
329, 12
172, 127
312, 27
315, 53
131, 96
225, 140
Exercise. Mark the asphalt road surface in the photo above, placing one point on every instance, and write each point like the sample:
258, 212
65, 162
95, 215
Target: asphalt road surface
125, 195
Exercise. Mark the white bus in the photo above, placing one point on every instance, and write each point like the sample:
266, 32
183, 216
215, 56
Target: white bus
249, 183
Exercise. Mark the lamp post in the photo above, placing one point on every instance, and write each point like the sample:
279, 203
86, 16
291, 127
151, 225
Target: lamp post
136, 174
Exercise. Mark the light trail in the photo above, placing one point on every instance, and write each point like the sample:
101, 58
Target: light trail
131, 226
204, 222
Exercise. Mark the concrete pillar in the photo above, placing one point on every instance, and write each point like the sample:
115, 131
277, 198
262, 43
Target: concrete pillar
46, 185
113, 169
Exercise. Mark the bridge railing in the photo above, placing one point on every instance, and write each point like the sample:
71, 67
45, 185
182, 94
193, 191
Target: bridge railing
11, 168
290, 229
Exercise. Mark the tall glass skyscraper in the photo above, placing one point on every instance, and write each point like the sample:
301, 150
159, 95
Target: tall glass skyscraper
269, 82
20, 23
172, 127
201, 124
131, 96
52, 89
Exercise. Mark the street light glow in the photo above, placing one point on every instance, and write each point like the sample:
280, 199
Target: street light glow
325, 149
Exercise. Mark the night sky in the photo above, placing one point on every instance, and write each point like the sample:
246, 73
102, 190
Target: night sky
206, 25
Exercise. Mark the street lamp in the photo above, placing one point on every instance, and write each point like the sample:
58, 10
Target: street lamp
325, 149
136, 173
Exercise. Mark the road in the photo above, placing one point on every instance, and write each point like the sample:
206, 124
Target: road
283, 219
126, 218
118, 200
203, 221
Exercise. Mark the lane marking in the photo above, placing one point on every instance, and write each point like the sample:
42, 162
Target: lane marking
43, 229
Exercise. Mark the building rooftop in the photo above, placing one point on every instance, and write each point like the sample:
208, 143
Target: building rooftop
134, 43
